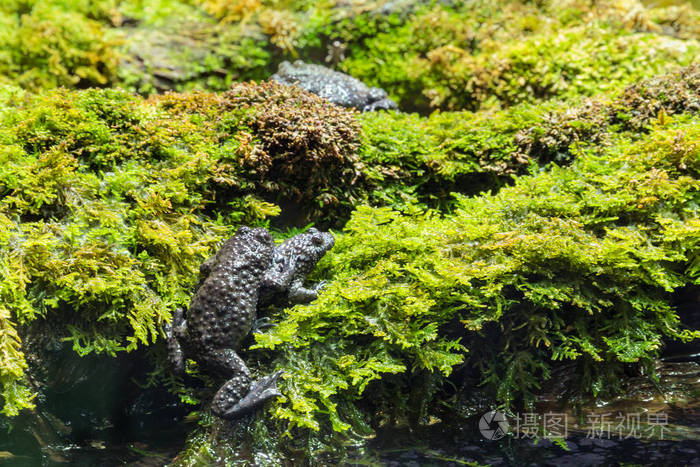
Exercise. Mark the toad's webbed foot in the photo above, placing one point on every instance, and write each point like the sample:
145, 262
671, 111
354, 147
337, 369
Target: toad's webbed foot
262, 323
384, 104
262, 390
300, 294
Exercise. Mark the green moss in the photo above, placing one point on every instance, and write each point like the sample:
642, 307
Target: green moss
14, 394
653, 99
207, 44
157, 13
110, 202
48, 44
175, 46
476, 55
428, 55
409, 158
413, 159
140, 190
572, 264
637, 109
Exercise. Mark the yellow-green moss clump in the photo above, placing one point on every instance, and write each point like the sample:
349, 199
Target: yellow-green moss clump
573, 264
486, 53
49, 44
408, 158
109, 202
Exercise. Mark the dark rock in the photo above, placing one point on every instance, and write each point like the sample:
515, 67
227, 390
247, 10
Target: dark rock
577, 460
572, 446
604, 443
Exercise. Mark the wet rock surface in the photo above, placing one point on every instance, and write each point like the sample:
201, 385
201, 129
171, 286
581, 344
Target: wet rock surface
337, 87
91, 410
190, 54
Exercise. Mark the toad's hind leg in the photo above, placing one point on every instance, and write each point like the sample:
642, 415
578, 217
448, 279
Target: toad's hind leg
239, 394
173, 334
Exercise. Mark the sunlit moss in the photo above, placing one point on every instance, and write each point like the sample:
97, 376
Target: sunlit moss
572, 264
485, 53
45, 45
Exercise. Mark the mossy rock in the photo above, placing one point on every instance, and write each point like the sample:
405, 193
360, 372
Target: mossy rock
141, 190
188, 54
635, 110
426, 54
485, 54
109, 202
575, 264
573, 269
412, 159
656, 98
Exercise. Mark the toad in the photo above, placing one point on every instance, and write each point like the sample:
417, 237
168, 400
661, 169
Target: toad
337, 87
247, 272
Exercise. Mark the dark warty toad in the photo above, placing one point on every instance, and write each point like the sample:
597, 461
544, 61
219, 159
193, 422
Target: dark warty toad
246, 273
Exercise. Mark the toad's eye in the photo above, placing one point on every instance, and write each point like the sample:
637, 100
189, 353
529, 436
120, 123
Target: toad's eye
317, 240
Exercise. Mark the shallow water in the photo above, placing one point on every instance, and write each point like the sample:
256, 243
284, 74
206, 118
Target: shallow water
652, 425
592, 438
